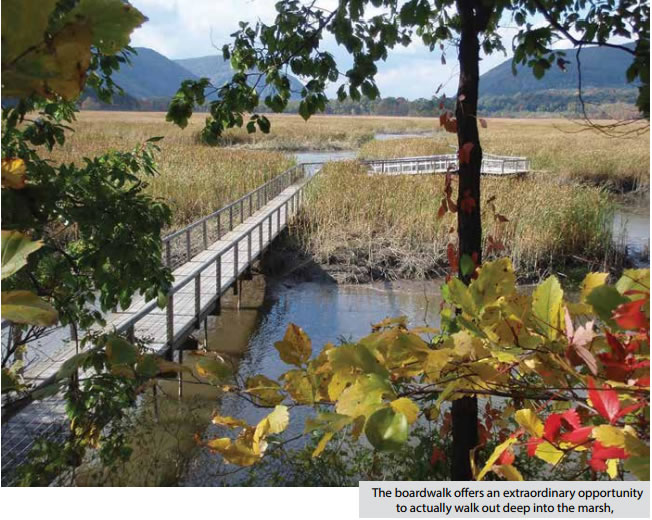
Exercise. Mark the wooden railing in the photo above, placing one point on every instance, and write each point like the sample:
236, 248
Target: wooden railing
491, 165
180, 246
255, 199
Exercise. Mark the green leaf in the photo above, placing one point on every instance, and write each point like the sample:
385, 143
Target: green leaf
120, 352
296, 347
212, 368
591, 281
16, 247
466, 265
26, 307
386, 429
364, 396
639, 467
547, 307
604, 300
634, 280
148, 366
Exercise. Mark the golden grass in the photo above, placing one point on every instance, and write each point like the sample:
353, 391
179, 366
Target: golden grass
390, 224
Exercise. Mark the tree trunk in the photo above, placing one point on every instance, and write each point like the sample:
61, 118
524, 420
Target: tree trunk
469, 226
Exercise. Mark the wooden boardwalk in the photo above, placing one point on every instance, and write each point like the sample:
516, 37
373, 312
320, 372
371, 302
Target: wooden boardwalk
206, 258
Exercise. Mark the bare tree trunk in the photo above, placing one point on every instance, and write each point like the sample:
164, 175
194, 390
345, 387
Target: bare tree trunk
474, 18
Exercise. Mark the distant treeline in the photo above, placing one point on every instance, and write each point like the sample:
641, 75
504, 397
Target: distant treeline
599, 102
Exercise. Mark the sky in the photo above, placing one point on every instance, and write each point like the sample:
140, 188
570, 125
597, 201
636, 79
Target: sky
193, 28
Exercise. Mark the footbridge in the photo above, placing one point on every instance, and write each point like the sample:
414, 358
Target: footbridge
207, 258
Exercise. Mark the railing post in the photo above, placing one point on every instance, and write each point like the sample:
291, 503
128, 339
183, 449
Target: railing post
278, 220
241, 211
251, 201
218, 274
249, 247
235, 259
197, 299
260, 238
188, 243
168, 254
219, 226
170, 320
231, 218
269, 234
205, 233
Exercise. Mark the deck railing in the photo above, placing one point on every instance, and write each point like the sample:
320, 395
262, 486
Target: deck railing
491, 165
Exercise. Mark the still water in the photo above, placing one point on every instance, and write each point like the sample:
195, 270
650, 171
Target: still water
327, 312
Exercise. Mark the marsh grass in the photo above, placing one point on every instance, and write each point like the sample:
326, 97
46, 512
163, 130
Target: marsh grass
389, 226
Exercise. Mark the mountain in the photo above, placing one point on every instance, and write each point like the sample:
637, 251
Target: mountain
602, 67
219, 72
604, 85
151, 75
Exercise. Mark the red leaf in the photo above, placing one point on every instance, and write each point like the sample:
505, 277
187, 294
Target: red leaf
437, 455
602, 452
443, 118
578, 436
605, 401
451, 252
552, 426
442, 208
451, 125
464, 153
452, 206
630, 316
468, 202
506, 457
571, 418
501, 218
532, 445
483, 123
598, 464
441, 105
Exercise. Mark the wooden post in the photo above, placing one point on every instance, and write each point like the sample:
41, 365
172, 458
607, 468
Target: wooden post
188, 244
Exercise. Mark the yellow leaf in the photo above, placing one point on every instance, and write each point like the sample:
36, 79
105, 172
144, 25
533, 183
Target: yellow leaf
26, 307
265, 391
322, 444
609, 435
591, 281
509, 472
229, 422
338, 383
298, 385
436, 361
546, 451
407, 407
547, 307
238, 452
296, 347
13, 173
498, 451
612, 468
363, 397
527, 419
275, 422
495, 279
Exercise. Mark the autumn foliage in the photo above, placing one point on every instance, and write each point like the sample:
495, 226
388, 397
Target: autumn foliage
572, 377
